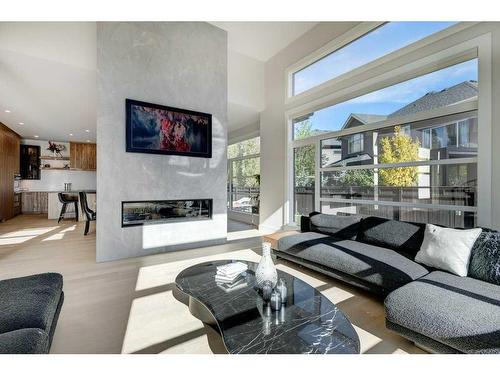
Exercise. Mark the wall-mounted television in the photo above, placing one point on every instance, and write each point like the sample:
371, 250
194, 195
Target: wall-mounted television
158, 129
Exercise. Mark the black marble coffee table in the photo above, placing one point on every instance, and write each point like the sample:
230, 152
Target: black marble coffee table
308, 323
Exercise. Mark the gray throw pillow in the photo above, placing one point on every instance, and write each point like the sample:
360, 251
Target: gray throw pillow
345, 227
485, 258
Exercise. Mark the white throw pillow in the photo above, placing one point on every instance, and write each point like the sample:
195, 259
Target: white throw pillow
447, 249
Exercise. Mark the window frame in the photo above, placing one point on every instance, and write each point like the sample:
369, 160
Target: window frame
476, 47
248, 217
351, 36
355, 139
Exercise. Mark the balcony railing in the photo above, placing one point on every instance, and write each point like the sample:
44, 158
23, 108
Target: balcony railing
395, 203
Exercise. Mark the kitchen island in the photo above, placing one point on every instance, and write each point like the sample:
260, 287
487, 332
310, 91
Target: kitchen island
36, 202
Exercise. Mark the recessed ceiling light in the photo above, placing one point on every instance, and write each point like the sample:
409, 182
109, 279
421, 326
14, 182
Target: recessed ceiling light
21, 123
70, 134
36, 136
88, 140
87, 130
7, 111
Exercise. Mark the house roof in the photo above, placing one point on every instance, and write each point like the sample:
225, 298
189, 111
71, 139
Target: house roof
363, 118
451, 95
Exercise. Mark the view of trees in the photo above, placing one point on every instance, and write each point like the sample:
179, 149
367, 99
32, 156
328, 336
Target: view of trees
246, 172
356, 177
304, 157
245, 175
397, 149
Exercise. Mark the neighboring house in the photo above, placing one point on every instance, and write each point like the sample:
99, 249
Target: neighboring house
453, 136
442, 138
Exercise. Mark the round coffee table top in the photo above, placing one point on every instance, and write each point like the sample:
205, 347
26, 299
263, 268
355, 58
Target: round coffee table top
308, 323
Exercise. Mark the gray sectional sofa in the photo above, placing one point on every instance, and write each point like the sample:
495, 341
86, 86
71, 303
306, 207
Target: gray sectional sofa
439, 311
29, 310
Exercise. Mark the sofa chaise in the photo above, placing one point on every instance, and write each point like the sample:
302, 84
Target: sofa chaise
439, 311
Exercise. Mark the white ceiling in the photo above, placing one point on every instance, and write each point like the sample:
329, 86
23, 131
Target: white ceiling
48, 79
250, 45
48, 74
262, 40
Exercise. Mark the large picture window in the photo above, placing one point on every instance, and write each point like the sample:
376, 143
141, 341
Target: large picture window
459, 81
410, 165
243, 188
369, 47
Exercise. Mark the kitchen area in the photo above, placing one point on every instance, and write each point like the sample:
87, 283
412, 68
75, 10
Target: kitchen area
35, 172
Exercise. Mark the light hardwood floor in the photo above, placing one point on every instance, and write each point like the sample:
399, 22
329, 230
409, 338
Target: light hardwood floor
132, 306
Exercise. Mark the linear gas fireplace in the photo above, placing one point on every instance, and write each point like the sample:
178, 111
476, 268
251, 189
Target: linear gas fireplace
154, 212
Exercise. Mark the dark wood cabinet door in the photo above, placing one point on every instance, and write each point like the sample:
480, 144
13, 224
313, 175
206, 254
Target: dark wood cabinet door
9, 167
30, 162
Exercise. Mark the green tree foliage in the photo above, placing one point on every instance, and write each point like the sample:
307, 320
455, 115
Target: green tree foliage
245, 171
357, 177
397, 149
304, 156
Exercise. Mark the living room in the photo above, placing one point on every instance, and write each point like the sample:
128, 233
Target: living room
289, 185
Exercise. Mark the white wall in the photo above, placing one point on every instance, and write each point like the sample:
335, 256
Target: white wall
273, 121
243, 133
180, 64
273, 124
53, 180
245, 78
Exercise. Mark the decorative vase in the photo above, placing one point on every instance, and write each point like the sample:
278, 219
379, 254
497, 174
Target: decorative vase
267, 289
266, 271
282, 290
275, 301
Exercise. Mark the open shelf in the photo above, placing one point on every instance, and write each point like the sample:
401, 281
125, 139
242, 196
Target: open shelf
54, 158
66, 169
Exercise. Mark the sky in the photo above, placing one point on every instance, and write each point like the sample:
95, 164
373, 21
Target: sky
387, 38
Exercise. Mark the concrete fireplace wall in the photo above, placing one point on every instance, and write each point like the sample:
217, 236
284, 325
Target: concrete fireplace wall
179, 64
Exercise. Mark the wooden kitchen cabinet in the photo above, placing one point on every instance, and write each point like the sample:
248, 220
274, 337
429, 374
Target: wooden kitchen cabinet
9, 167
83, 156
34, 202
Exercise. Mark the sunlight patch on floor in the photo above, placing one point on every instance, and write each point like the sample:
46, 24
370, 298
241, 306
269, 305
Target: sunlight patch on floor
60, 235
23, 235
157, 320
336, 295
57, 236
165, 273
367, 339
69, 229
243, 234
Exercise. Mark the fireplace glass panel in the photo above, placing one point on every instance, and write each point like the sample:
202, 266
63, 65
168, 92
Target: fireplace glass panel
165, 211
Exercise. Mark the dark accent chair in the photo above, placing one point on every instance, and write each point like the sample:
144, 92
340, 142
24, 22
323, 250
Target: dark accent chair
89, 214
29, 310
66, 199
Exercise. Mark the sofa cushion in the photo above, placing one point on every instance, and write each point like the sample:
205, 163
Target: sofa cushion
447, 249
485, 257
24, 341
382, 267
29, 302
402, 236
345, 227
461, 312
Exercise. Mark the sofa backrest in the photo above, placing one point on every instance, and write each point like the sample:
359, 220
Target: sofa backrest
401, 236
344, 227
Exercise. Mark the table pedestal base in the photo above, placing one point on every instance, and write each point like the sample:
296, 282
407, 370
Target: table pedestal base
199, 311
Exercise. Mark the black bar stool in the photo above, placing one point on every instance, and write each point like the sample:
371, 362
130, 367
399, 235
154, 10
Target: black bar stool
66, 199
89, 214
